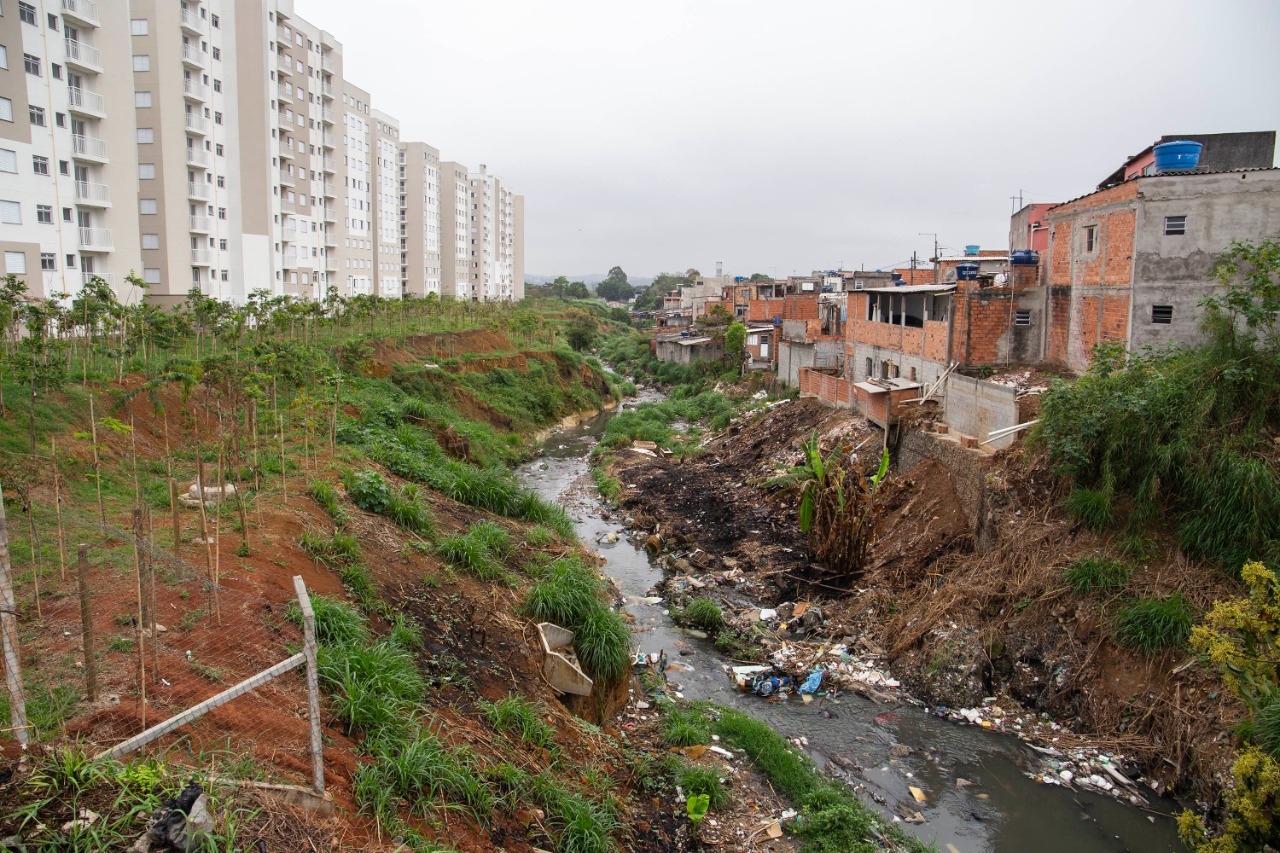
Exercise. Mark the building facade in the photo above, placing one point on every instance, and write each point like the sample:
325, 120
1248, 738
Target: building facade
420, 231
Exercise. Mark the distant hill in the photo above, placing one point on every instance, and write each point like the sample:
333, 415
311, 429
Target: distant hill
591, 279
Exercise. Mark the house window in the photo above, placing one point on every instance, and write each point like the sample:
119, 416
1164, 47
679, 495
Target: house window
53, 22
142, 62
217, 53
15, 263
6, 109
1090, 237
71, 262
44, 214
8, 161
10, 213
142, 100
4, 57
213, 19
36, 116
138, 26
57, 71
222, 244
913, 374
146, 171
151, 275
64, 167
147, 205
48, 261
39, 165
31, 63
1175, 226
151, 241
60, 119
27, 13
1162, 314
1022, 318
222, 213
146, 135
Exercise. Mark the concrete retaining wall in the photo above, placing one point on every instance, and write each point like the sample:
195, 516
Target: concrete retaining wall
976, 407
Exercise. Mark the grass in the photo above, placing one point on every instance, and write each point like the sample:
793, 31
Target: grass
1092, 508
47, 709
602, 641
705, 614
685, 725
337, 623
1096, 574
374, 687
697, 779
326, 494
518, 716
606, 484
570, 595
479, 551
1152, 624
540, 536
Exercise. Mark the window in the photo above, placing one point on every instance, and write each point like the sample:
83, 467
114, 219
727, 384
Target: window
222, 244
142, 100
146, 205
15, 263
151, 241
53, 22
146, 171
1175, 226
57, 71
217, 53
218, 149
36, 116
222, 213
60, 119
146, 135
31, 63
217, 118
66, 214
71, 262
64, 167
44, 214
4, 57
224, 275
222, 181
39, 165
138, 26
151, 275
141, 62
213, 19
8, 161
217, 85
1022, 318
1162, 314
48, 261
10, 213
27, 13
1090, 237
6, 109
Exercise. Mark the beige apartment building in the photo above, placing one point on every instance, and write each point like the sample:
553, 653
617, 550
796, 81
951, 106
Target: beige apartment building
68, 161
420, 230
216, 144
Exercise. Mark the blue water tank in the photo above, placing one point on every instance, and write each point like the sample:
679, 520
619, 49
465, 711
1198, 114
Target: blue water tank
1024, 257
971, 250
966, 272
1178, 156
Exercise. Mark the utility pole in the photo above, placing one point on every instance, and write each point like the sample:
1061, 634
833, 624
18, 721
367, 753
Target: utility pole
936, 268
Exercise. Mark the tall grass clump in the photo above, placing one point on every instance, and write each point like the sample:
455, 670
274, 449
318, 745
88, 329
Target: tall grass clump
578, 825
705, 614
337, 623
685, 725
1092, 507
479, 551
570, 595
697, 779
1152, 624
374, 687
325, 494
1096, 574
1186, 433
517, 716
602, 642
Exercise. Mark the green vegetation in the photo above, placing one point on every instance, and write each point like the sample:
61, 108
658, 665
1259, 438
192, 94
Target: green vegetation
685, 725
706, 781
479, 551
570, 594
1185, 433
1241, 639
1152, 624
703, 613
517, 716
655, 421
1096, 574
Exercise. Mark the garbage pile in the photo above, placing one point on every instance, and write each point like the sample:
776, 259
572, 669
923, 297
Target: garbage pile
1059, 763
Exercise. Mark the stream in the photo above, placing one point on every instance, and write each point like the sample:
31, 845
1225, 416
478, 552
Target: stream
1003, 810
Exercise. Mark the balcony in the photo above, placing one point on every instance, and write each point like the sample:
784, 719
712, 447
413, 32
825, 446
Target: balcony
201, 224
330, 165
328, 141
89, 148
192, 23
328, 115
286, 151
285, 95
288, 206
330, 240
192, 56
331, 264
88, 276
84, 56
197, 124
330, 190
201, 258
289, 233
197, 191
285, 178
197, 157
84, 102
96, 239
284, 65
326, 90
89, 194
82, 11
330, 214
194, 90
327, 63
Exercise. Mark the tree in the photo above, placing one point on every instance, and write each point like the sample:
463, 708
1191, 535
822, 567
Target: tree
662, 284
759, 277
735, 340
581, 333
578, 290
615, 287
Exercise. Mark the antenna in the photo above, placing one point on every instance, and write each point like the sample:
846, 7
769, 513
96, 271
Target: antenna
936, 265
1017, 202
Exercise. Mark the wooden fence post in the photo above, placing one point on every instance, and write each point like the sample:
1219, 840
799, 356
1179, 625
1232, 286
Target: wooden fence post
86, 625
9, 636
313, 682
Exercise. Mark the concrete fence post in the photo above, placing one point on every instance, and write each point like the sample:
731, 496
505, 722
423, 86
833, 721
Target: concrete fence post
9, 637
310, 649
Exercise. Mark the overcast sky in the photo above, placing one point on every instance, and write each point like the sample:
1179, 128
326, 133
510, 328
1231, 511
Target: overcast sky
781, 137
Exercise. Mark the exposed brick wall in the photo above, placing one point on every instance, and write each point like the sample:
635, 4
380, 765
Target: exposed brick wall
1059, 321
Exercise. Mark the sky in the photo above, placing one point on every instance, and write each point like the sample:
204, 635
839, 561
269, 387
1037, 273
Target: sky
787, 137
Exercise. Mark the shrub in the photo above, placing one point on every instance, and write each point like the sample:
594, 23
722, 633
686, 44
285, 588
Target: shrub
1090, 574
1152, 624
1093, 508
565, 595
478, 551
368, 490
705, 614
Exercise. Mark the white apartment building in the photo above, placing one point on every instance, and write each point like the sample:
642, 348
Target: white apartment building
455, 232
493, 230
386, 205
67, 158
420, 227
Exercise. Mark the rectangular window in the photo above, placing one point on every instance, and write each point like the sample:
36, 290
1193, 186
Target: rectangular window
10, 213
147, 205
4, 57
39, 165
48, 261
217, 118
53, 22
222, 181
1175, 226
57, 71
8, 161
6, 109
44, 214
15, 263
213, 20
60, 119
151, 241
217, 149
64, 167
1162, 314
151, 275
1022, 318
222, 213
146, 135
217, 85
71, 262
146, 171
142, 100
27, 13
31, 63
1090, 237
36, 116
217, 53
138, 26
142, 62
66, 214
222, 244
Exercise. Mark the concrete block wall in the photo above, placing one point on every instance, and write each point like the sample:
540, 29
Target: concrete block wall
976, 407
